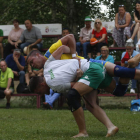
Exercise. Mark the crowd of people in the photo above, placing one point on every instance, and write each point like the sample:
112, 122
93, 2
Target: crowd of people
62, 69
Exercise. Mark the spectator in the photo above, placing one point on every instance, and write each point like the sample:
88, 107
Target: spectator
50, 99
137, 25
128, 54
16, 62
6, 82
14, 36
100, 34
1, 39
85, 35
31, 36
105, 55
65, 31
123, 23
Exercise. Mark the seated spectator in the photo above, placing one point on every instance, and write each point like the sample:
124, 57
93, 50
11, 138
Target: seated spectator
100, 34
123, 23
65, 31
105, 55
137, 26
128, 54
85, 35
50, 99
6, 82
31, 36
14, 36
1, 39
16, 62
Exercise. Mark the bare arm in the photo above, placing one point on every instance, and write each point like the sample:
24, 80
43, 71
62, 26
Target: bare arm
103, 38
9, 83
63, 49
92, 35
116, 21
38, 41
1, 39
128, 19
136, 19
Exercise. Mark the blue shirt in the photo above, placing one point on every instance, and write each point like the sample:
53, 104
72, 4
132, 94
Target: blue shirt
133, 54
109, 58
12, 64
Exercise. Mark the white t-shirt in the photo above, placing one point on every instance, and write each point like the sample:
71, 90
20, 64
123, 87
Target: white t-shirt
59, 73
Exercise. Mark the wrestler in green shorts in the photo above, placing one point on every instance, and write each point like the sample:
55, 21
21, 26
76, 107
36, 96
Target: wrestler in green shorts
96, 76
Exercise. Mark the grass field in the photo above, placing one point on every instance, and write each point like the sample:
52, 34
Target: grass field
24, 122
39, 124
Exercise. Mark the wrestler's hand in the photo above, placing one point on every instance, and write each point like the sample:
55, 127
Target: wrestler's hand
78, 60
79, 73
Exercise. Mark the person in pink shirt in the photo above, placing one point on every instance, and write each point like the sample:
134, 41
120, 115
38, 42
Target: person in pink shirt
14, 35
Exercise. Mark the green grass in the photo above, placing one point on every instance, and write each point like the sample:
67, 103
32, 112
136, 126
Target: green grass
39, 124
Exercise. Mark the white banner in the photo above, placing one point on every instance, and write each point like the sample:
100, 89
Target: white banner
46, 29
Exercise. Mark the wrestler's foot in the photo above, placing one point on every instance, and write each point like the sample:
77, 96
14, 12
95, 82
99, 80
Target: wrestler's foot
80, 135
133, 62
112, 131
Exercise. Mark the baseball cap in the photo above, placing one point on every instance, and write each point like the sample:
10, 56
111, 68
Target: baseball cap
93, 41
88, 18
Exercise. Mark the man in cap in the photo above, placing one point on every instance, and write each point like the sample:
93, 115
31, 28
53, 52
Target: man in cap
85, 35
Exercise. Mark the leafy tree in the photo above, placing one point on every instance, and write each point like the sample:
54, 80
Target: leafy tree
70, 13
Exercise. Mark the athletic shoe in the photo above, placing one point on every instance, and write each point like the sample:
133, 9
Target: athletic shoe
132, 90
7, 105
129, 40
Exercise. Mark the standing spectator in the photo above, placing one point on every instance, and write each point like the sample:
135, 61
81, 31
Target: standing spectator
100, 34
16, 62
31, 36
6, 82
105, 55
14, 36
128, 54
1, 39
137, 25
65, 31
85, 35
123, 23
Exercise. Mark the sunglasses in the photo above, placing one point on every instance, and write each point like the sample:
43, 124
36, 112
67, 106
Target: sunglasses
97, 22
121, 5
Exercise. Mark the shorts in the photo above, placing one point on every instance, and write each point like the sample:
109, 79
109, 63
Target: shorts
2, 95
54, 47
96, 76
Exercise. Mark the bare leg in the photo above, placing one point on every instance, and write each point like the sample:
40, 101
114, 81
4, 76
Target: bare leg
8, 95
79, 114
69, 41
99, 113
135, 31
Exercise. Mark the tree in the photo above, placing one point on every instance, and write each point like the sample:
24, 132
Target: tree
70, 13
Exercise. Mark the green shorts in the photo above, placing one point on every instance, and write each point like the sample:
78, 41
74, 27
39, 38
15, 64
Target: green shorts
96, 76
